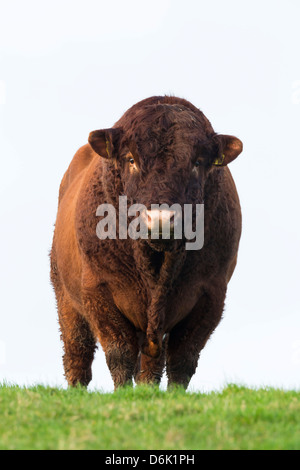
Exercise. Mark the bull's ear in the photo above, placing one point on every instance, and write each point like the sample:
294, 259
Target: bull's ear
105, 142
230, 148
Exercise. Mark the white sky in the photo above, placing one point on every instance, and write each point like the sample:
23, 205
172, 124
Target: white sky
69, 67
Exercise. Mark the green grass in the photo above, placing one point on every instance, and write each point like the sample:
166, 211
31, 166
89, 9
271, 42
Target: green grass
148, 418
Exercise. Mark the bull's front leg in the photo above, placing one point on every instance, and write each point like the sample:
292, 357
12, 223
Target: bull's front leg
115, 333
189, 337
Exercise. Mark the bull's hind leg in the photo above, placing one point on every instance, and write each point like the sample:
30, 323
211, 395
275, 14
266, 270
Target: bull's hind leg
189, 337
79, 344
78, 340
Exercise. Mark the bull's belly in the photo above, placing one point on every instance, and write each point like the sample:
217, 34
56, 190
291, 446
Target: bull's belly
179, 304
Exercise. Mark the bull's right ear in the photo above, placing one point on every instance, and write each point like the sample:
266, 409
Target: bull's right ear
105, 142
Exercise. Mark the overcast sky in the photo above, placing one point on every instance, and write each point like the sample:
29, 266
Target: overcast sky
69, 67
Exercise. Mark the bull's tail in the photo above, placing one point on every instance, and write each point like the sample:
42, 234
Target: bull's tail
152, 346
154, 337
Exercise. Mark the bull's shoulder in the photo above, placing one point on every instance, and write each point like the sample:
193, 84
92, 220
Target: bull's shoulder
220, 191
230, 197
223, 221
81, 160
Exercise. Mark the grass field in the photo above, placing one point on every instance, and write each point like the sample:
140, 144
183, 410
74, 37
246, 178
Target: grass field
148, 418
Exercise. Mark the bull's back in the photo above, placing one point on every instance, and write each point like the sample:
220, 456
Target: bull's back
81, 160
68, 259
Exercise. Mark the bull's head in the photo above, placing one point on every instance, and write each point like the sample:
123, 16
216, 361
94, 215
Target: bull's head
164, 154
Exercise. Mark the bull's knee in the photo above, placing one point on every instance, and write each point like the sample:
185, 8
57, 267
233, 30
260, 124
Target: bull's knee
121, 361
180, 371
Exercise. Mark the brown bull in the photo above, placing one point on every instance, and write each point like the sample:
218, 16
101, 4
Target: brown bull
150, 303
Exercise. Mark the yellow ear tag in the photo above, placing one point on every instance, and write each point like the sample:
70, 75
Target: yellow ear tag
220, 160
107, 147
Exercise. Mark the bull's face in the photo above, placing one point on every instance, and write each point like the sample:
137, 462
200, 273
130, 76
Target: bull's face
164, 155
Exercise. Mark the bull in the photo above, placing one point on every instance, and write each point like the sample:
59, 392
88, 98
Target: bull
151, 303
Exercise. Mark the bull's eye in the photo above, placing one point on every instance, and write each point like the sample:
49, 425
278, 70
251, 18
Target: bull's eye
131, 160
197, 163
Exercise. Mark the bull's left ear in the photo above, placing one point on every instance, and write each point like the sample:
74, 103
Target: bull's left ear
230, 148
105, 142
